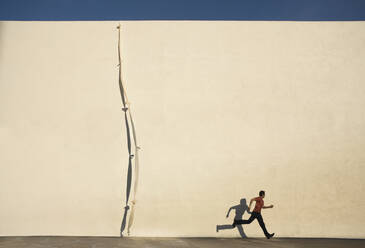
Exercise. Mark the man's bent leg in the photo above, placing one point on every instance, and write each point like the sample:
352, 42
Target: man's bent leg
262, 225
240, 222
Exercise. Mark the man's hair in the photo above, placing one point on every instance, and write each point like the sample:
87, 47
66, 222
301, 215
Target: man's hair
262, 193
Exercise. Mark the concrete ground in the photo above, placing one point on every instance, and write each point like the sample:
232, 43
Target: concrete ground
99, 242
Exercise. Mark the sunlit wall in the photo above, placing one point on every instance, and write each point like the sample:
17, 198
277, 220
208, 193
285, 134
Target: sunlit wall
222, 110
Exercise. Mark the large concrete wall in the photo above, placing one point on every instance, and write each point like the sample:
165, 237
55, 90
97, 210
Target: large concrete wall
222, 109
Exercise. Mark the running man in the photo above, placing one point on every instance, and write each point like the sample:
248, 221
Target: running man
256, 214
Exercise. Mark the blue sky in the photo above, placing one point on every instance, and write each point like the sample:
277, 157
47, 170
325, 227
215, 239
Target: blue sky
298, 10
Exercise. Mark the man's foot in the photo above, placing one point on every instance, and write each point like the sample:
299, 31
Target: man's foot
234, 223
270, 236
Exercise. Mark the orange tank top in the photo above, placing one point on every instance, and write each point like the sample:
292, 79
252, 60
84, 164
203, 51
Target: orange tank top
259, 204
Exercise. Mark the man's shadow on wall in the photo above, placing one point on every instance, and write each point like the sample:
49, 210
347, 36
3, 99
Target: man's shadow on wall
239, 211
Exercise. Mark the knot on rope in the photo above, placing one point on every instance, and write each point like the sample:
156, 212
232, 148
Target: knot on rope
126, 207
124, 109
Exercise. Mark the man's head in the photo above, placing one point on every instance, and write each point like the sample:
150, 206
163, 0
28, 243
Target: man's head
262, 193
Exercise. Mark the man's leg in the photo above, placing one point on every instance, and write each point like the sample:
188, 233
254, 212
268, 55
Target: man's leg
240, 222
262, 224
223, 227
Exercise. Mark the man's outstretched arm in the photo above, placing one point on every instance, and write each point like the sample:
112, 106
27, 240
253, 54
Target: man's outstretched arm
270, 206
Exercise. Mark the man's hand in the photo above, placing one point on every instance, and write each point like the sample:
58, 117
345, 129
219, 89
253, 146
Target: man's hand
271, 206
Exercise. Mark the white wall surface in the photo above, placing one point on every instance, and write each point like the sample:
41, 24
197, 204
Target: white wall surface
222, 110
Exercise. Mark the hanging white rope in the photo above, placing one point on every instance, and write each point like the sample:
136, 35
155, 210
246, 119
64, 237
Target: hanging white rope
126, 108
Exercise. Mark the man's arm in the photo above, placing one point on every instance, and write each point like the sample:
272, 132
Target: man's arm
271, 206
251, 201
229, 210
